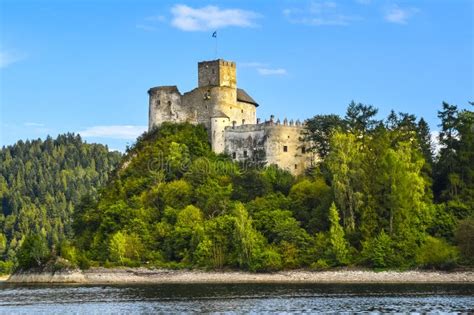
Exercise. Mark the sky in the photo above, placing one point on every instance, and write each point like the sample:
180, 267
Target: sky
85, 66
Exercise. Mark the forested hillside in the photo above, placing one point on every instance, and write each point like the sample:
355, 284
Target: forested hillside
41, 182
370, 202
379, 198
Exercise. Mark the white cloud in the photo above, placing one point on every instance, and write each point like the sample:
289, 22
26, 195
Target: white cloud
268, 71
398, 15
8, 58
319, 13
33, 124
210, 18
128, 132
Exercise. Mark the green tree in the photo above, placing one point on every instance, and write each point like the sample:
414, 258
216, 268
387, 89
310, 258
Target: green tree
117, 247
339, 246
465, 239
319, 130
345, 164
33, 252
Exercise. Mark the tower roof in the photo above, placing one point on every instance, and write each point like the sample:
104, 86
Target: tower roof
242, 96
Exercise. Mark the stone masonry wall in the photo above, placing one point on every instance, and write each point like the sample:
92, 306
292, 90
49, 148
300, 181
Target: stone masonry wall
281, 144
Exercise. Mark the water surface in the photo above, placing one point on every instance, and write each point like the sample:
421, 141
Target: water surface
237, 298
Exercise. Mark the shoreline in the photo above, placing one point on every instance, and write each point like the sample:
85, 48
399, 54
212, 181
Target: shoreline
101, 275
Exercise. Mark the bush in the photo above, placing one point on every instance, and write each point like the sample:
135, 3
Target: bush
83, 262
321, 264
6, 267
33, 252
270, 260
436, 253
379, 251
69, 252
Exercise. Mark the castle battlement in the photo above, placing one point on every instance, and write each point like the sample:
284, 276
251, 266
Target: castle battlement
229, 115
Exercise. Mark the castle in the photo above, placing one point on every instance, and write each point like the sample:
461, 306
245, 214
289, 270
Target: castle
229, 115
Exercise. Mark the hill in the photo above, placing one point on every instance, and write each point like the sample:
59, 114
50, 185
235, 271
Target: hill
40, 184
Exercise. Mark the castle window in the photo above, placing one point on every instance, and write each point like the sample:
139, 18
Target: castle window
288, 137
158, 103
285, 148
242, 111
296, 166
243, 121
169, 103
303, 150
223, 120
245, 153
234, 155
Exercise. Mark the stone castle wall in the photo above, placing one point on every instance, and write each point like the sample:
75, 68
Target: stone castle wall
231, 123
281, 143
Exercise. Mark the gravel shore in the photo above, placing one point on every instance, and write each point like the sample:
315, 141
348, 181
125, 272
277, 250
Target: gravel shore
143, 275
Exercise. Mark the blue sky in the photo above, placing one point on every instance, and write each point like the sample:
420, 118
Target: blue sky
85, 66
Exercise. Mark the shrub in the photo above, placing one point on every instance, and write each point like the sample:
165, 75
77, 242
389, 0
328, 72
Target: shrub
270, 260
379, 251
33, 252
321, 264
6, 267
68, 252
436, 253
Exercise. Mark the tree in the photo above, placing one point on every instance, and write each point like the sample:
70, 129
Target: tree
319, 130
465, 239
310, 201
339, 245
360, 118
33, 252
454, 171
117, 247
246, 237
426, 144
345, 164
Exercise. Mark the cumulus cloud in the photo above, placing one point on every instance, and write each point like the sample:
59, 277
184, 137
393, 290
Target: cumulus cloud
210, 18
319, 13
8, 58
269, 71
129, 132
398, 15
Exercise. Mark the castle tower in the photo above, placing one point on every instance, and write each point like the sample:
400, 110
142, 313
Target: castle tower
217, 73
164, 105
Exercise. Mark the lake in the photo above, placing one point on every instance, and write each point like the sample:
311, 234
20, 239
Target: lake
236, 298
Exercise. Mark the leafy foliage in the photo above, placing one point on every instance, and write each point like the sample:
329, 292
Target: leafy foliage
377, 198
41, 182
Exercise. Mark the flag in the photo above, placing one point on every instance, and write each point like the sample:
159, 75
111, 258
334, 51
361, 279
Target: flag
214, 34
